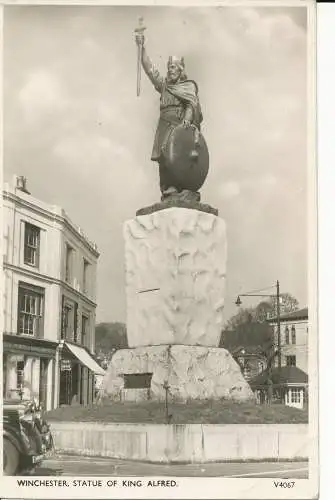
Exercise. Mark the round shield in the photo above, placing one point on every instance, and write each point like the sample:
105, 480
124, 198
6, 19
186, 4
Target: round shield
187, 158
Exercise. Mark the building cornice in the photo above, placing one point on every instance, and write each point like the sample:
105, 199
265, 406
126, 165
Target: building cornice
25, 339
281, 384
290, 317
295, 321
50, 214
18, 344
49, 279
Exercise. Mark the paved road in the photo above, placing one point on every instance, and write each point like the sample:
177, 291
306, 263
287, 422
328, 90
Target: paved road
84, 466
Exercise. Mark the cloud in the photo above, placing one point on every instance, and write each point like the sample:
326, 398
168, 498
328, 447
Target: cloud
96, 158
82, 151
41, 95
229, 190
268, 181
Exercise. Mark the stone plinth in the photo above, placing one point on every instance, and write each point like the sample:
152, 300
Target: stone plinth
175, 277
191, 372
185, 199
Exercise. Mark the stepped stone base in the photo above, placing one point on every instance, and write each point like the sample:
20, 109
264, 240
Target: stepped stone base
189, 372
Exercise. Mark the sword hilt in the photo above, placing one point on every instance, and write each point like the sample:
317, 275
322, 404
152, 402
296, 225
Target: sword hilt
140, 28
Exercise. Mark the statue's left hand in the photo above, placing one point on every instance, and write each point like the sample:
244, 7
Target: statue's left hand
186, 123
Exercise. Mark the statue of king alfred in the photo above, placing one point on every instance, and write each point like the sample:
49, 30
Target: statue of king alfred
179, 147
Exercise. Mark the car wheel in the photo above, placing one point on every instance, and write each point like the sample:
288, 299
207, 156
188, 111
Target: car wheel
11, 458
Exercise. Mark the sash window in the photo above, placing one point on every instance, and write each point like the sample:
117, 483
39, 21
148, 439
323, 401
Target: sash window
30, 311
31, 245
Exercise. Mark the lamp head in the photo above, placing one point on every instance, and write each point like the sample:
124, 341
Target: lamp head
238, 301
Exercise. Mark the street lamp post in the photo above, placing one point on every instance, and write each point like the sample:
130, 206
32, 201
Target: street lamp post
278, 324
277, 297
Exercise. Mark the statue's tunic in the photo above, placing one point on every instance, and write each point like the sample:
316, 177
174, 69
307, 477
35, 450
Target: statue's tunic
175, 99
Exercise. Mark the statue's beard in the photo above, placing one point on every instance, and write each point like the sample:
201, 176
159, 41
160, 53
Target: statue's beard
172, 79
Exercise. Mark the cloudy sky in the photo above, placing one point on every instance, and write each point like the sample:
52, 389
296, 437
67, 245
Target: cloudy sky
75, 128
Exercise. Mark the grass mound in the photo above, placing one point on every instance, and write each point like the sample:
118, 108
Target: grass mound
193, 412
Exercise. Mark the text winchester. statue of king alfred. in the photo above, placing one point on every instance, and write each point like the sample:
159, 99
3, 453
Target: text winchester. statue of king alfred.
179, 146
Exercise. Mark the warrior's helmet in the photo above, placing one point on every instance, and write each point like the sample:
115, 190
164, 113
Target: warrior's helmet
179, 61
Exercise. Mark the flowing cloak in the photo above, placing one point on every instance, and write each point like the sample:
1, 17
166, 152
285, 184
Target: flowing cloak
175, 100
187, 92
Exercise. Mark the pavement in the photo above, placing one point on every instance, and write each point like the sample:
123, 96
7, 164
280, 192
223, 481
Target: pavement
65, 465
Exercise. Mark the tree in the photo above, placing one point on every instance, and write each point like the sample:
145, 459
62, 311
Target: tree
248, 327
287, 304
250, 334
108, 338
262, 311
111, 336
242, 317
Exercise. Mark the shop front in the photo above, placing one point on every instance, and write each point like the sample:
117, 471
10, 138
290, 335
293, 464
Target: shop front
51, 373
77, 371
28, 369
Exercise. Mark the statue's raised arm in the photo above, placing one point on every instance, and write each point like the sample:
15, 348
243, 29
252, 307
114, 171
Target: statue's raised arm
153, 74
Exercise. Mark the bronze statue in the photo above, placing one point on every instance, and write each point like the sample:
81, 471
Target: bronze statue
179, 147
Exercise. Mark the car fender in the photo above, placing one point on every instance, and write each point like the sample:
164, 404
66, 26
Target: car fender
17, 442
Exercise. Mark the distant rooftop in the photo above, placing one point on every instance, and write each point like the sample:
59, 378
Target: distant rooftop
294, 315
286, 375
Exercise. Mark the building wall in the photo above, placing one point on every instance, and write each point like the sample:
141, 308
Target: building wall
80, 253
56, 229
300, 348
84, 308
19, 210
73, 289
52, 303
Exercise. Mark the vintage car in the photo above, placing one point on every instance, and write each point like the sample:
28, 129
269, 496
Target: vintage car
27, 439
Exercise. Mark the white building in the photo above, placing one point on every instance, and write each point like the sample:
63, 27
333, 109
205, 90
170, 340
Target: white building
292, 378
294, 339
49, 302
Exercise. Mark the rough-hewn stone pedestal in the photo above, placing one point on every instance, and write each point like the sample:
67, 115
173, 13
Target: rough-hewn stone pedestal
175, 277
175, 280
189, 372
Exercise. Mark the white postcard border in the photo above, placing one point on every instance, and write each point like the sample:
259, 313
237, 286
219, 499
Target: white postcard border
252, 488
